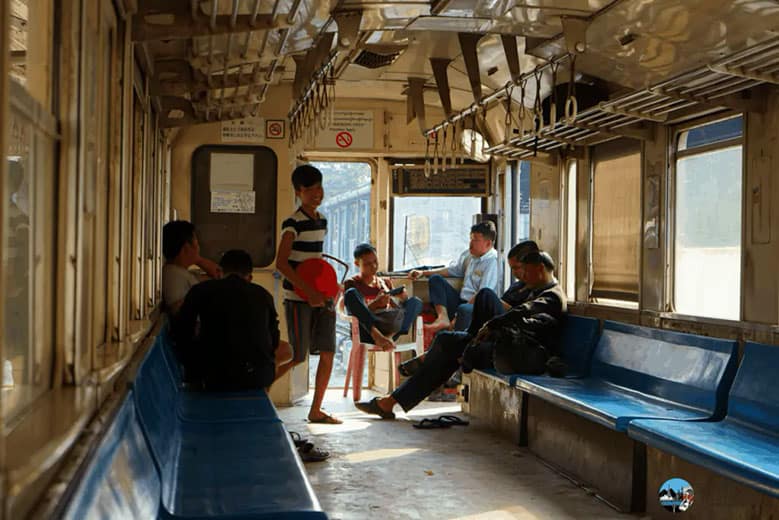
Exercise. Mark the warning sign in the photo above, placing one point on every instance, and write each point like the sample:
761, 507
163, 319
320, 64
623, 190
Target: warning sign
348, 130
247, 130
274, 128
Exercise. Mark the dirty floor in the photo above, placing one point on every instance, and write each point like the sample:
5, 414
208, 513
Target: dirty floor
388, 469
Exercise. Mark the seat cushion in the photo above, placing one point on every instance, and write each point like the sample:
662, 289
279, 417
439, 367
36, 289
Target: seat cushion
226, 407
252, 471
605, 403
729, 447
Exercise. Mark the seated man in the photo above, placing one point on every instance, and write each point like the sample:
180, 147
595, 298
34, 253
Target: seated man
227, 331
367, 297
538, 316
181, 250
478, 266
486, 303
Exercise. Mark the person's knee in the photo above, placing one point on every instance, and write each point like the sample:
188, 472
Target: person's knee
435, 279
485, 295
351, 295
326, 357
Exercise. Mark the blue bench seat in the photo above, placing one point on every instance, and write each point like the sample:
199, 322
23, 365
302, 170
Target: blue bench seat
638, 372
745, 445
244, 465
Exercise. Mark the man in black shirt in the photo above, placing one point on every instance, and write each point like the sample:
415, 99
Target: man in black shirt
227, 331
536, 322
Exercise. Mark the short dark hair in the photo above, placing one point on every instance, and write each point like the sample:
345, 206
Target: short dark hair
363, 249
305, 176
539, 257
236, 261
175, 234
486, 229
521, 249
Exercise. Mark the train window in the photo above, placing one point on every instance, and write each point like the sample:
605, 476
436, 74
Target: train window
707, 239
31, 47
430, 230
521, 202
570, 232
616, 222
28, 228
234, 201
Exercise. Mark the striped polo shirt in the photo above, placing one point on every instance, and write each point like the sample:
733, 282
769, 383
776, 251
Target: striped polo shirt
309, 236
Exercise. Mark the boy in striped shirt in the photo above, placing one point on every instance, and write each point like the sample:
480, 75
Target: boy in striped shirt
310, 324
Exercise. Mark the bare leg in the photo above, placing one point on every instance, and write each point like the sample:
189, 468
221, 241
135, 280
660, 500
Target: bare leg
380, 340
442, 321
322, 379
283, 359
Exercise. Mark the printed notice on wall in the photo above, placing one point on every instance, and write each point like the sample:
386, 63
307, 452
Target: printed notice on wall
232, 201
231, 171
247, 130
349, 130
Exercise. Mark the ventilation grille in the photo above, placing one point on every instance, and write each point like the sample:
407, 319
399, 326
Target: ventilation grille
372, 60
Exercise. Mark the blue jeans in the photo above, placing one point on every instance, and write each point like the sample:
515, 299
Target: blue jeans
441, 293
354, 302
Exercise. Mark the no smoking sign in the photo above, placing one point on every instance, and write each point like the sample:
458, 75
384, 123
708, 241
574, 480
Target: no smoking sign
274, 128
343, 139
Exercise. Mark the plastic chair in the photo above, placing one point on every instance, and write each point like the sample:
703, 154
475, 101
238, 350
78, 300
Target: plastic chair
356, 365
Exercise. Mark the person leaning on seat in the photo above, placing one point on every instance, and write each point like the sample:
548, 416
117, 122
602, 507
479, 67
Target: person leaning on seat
181, 250
535, 321
367, 297
477, 266
227, 331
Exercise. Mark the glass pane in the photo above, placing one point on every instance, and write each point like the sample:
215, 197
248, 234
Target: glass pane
707, 276
431, 230
570, 238
523, 202
347, 208
616, 224
711, 133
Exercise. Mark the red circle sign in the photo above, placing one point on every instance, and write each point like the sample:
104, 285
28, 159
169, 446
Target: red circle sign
343, 139
274, 129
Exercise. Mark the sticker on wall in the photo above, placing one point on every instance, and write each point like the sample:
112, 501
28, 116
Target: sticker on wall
275, 128
348, 130
232, 201
247, 130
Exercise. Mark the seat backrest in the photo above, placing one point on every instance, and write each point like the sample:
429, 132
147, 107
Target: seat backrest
121, 480
166, 343
690, 370
579, 337
754, 399
155, 400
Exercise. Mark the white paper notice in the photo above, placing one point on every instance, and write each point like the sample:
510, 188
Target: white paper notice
232, 201
232, 172
247, 130
349, 130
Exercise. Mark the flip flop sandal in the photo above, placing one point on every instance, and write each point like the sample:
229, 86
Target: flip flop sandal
431, 424
309, 453
326, 419
297, 439
453, 420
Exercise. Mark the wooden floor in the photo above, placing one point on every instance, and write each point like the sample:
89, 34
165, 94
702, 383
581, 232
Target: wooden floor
388, 469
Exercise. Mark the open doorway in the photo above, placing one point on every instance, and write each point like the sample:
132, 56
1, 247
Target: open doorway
347, 208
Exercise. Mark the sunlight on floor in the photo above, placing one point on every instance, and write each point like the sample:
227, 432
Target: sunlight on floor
349, 425
381, 454
508, 513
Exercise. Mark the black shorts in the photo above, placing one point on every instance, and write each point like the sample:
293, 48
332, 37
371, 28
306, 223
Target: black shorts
310, 329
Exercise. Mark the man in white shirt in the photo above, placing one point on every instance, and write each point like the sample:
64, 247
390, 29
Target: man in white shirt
181, 250
478, 267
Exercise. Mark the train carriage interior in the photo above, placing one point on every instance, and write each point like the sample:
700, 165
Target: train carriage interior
634, 141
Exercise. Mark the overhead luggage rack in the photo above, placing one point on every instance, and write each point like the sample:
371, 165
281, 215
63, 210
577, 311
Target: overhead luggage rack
633, 114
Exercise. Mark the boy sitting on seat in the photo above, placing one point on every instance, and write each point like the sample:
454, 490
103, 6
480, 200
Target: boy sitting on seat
366, 296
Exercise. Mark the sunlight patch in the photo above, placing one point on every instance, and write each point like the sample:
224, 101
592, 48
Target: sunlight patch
373, 455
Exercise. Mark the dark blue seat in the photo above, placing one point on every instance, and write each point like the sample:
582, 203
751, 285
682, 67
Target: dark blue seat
745, 445
638, 372
205, 406
121, 480
243, 467
578, 340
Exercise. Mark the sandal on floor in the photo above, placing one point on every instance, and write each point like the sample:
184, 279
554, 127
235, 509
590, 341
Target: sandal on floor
431, 424
453, 420
297, 439
309, 453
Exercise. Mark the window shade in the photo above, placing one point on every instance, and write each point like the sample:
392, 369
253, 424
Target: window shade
616, 220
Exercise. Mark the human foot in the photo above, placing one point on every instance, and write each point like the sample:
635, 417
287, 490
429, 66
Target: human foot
376, 406
323, 418
437, 325
380, 340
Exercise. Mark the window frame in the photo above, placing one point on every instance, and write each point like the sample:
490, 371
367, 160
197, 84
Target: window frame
670, 238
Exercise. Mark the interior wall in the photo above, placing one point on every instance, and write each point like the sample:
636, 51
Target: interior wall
761, 188
545, 207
